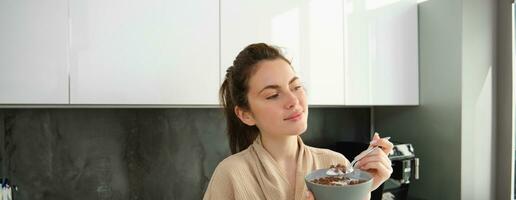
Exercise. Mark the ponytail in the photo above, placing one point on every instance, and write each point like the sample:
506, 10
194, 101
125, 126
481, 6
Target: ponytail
240, 135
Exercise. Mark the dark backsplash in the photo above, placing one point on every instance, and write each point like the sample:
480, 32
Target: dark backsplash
119, 154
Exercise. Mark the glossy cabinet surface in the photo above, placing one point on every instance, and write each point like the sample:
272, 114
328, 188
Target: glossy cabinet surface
34, 52
347, 52
158, 52
381, 52
144, 52
310, 33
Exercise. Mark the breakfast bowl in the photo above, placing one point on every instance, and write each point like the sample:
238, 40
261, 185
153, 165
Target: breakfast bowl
355, 185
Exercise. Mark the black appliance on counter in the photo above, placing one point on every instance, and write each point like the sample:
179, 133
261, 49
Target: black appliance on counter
405, 167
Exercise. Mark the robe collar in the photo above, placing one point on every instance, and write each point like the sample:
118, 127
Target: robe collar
272, 178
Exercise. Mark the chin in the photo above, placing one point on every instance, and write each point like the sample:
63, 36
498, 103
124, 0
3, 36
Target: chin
299, 130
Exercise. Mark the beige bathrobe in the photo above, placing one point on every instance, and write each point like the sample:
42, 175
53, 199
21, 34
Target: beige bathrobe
254, 174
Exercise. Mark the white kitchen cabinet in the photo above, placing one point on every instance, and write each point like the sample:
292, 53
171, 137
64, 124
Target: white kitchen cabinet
33, 52
144, 52
381, 52
347, 52
310, 32
158, 52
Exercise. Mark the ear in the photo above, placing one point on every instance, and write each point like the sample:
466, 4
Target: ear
245, 116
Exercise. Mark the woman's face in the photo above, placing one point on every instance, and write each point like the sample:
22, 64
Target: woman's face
277, 100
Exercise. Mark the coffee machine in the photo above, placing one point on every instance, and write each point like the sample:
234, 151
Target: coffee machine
405, 167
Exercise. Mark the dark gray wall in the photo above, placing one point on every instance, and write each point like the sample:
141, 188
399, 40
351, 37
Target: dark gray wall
464, 62
133, 153
505, 144
434, 127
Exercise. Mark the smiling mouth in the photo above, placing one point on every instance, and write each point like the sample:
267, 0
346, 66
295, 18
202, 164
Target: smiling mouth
294, 116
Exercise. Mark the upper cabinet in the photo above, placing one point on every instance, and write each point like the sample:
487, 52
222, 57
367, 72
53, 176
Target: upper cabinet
34, 52
347, 52
309, 32
172, 52
144, 52
381, 52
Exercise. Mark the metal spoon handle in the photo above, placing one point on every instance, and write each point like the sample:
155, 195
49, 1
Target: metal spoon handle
367, 151
362, 155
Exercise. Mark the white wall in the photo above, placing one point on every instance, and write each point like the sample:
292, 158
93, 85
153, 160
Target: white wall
477, 112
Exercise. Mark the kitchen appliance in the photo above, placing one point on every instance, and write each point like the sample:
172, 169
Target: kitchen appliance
405, 167
404, 163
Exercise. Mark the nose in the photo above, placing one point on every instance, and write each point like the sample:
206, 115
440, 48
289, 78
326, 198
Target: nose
291, 100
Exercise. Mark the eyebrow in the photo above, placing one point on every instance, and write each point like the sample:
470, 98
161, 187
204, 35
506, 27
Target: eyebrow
277, 86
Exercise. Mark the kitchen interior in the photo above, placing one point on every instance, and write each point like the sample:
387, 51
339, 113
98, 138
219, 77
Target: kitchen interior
119, 100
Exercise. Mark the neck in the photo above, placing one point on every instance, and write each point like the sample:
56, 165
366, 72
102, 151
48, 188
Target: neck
282, 148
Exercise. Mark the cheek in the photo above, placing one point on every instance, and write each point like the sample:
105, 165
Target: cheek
302, 98
266, 112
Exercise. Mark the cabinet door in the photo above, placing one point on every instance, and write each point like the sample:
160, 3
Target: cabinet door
145, 52
33, 52
310, 33
381, 66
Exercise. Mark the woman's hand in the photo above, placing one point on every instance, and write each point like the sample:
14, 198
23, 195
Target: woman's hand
309, 195
377, 163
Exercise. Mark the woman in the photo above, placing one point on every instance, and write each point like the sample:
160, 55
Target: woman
266, 110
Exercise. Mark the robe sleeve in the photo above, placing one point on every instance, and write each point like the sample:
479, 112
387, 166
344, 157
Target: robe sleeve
220, 186
342, 159
336, 158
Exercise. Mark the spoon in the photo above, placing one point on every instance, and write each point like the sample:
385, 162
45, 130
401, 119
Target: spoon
359, 157
350, 168
362, 155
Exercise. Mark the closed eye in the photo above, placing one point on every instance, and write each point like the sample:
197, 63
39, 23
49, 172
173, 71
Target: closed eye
273, 96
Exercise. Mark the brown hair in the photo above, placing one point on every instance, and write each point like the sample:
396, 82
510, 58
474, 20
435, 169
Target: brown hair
233, 92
